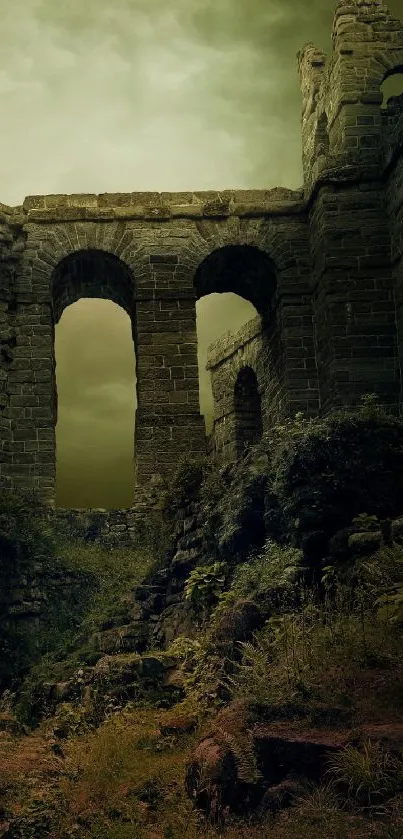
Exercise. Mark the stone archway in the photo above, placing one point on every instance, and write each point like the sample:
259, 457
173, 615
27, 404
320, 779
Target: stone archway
247, 272
88, 273
91, 273
242, 269
247, 410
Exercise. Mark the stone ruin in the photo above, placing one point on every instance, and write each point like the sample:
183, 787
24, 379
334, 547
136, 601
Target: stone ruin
322, 265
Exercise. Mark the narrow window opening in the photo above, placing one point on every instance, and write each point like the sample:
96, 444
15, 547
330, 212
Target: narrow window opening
248, 413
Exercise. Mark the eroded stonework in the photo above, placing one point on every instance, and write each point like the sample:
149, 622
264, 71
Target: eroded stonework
322, 265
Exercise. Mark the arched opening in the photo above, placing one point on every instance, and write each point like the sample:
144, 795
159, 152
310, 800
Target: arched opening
392, 88
234, 284
241, 269
95, 381
216, 314
247, 408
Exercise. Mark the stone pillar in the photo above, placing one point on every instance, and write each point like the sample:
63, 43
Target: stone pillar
311, 68
296, 351
33, 401
367, 44
168, 421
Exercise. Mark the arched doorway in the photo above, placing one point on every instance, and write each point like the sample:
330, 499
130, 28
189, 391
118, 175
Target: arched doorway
247, 409
95, 378
234, 284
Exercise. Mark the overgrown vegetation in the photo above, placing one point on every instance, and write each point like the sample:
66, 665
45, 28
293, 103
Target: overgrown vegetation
291, 622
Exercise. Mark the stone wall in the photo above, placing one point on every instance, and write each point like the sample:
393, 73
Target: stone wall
259, 351
147, 253
322, 266
110, 528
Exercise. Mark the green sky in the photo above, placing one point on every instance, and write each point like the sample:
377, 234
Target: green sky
130, 95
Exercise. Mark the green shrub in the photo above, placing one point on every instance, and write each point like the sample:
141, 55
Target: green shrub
269, 578
381, 577
115, 574
305, 480
313, 652
204, 586
370, 773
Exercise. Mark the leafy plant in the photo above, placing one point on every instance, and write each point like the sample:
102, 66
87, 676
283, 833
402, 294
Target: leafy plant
319, 800
366, 522
268, 577
204, 585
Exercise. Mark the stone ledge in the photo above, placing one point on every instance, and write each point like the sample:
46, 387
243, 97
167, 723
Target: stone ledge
230, 343
162, 206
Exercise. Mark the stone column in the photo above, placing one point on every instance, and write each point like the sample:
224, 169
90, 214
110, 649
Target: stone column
168, 420
33, 401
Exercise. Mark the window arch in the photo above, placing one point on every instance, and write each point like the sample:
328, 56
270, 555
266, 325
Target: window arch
234, 284
241, 269
94, 339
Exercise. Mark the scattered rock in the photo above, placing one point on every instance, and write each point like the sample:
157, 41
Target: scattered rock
279, 797
9, 724
179, 724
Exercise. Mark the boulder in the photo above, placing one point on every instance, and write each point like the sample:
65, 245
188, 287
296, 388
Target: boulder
177, 619
178, 723
238, 624
279, 797
9, 724
365, 543
214, 776
283, 749
211, 777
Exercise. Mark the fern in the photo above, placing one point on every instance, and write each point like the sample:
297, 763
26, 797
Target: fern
241, 746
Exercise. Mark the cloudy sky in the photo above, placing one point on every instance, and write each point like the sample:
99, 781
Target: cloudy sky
131, 95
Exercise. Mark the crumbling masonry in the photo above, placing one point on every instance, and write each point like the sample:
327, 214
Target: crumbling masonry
322, 265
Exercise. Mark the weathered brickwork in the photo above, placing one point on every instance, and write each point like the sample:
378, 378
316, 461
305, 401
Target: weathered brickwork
322, 265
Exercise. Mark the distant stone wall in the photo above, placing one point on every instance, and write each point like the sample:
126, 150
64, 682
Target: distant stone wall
121, 527
256, 349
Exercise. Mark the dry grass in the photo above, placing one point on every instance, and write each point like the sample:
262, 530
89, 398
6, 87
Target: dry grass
125, 781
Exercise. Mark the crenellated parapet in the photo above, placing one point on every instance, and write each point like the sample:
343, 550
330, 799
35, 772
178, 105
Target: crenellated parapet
343, 129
